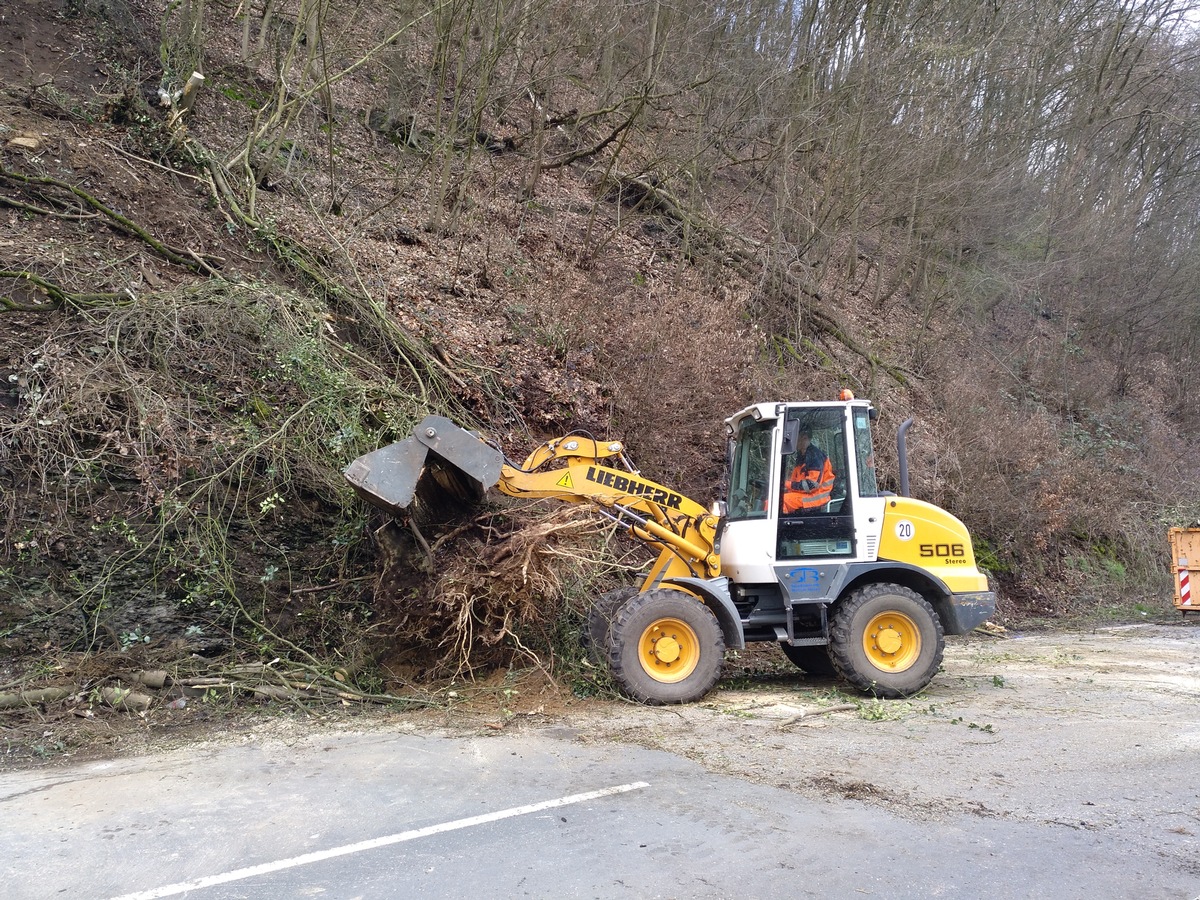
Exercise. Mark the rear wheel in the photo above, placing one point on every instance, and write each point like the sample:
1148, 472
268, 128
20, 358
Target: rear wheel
886, 639
665, 647
813, 660
599, 622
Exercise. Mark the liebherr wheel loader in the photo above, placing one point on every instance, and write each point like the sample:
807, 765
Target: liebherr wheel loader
864, 585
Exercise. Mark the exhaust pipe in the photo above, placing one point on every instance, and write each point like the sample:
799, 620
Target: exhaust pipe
902, 454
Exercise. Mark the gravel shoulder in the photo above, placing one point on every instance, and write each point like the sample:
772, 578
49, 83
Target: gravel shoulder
1095, 730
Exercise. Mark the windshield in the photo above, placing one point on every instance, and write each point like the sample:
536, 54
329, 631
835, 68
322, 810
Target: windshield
749, 474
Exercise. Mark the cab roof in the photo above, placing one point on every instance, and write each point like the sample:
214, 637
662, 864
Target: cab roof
774, 409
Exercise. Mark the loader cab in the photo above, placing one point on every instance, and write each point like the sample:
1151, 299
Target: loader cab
769, 443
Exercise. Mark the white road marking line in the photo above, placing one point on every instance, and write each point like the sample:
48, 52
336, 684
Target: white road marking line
171, 890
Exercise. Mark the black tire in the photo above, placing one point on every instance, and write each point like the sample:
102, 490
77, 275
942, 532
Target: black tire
665, 646
887, 640
813, 660
599, 622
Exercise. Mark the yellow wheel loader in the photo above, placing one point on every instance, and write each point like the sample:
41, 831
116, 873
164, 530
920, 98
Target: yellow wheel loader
854, 581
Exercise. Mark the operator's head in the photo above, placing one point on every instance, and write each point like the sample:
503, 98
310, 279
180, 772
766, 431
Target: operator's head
803, 438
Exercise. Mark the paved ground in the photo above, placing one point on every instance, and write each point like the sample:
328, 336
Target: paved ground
1056, 765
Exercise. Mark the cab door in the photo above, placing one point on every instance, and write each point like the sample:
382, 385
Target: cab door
827, 531
747, 544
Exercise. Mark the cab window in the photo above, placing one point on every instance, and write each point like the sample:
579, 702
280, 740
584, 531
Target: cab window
749, 470
864, 454
827, 440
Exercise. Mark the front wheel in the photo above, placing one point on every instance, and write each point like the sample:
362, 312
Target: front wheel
665, 647
886, 639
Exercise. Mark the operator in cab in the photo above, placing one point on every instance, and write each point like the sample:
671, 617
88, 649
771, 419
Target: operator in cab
810, 484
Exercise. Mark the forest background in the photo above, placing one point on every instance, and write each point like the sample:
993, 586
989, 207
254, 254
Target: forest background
632, 218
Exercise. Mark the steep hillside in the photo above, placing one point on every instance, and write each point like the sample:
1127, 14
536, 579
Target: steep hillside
212, 304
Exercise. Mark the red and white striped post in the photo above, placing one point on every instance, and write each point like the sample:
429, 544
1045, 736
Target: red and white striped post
1185, 590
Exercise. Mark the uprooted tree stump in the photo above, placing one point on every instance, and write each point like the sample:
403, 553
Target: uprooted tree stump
496, 586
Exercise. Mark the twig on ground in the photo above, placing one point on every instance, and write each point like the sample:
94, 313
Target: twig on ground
813, 713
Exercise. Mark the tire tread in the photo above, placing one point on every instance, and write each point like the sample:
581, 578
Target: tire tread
845, 639
634, 616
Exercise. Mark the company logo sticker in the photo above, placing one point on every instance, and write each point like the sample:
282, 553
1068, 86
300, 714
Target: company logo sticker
803, 580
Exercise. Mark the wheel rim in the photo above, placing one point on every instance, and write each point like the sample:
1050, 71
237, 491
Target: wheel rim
892, 641
669, 650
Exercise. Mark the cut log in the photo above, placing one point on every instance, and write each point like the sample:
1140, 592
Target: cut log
153, 678
125, 699
31, 698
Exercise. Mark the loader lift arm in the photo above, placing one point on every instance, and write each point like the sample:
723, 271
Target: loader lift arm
575, 468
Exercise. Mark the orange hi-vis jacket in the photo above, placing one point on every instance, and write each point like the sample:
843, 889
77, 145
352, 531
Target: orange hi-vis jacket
817, 468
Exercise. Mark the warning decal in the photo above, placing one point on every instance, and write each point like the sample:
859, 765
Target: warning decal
565, 481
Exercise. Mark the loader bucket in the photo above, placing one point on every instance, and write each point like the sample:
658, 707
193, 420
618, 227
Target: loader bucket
439, 468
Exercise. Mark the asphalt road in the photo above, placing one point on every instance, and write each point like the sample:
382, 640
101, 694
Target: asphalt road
516, 814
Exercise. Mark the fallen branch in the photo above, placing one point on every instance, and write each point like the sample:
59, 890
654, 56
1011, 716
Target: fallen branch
179, 257
408, 352
179, 173
329, 587
59, 296
273, 692
588, 152
297, 683
813, 713
744, 260
37, 210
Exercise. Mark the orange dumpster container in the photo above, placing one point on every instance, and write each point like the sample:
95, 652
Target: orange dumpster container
1185, 552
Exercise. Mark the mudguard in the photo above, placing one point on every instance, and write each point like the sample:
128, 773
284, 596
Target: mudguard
715, 592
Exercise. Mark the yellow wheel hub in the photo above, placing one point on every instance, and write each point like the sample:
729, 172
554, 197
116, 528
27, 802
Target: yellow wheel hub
669, 650
892, 641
